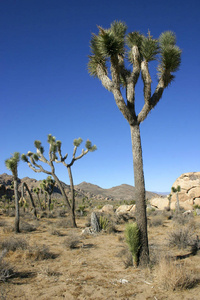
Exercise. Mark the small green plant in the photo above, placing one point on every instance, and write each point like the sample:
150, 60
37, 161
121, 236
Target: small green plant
132, 237
103, 222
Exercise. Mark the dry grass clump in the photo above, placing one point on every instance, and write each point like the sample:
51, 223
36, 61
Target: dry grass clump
3, 223
63, 223
175, 276
181, 237
182, 219
72, 241
55, 231
39, 253
13, 244
156, 221
126, 257
27, 227
6, 271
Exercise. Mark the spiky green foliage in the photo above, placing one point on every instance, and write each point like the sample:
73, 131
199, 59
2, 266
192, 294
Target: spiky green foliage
37, 144
177, 189
77, 142
89, 146
109, 43
132, 237
170, 58
12, 162
149, 48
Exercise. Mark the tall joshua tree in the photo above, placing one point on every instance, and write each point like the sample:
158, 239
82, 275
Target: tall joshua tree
33, 159
112, 50
12, 165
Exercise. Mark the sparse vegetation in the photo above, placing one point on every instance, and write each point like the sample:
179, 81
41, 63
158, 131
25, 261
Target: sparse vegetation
175, 276
181, 237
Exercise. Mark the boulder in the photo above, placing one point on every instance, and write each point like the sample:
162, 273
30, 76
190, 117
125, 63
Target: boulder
108, 208
125, 209
190, 190
159, 202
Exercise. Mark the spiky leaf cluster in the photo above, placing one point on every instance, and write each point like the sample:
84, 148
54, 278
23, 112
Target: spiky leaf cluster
89, 146
149, 48
108, 43
170, 54
77, 142
12, 162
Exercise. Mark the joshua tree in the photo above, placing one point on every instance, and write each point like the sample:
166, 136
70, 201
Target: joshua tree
48, 186
12, 165
37, 192
177, 190
54, 151
115, 49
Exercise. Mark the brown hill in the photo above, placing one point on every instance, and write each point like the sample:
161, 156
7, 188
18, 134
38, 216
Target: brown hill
84, 189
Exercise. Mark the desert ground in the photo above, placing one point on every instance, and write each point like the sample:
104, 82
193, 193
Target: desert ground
49, 260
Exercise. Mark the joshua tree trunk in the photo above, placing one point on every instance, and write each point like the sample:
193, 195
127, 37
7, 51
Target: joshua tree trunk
16, 205
177, 203
66, 200
72, 194
140, 194
31, 198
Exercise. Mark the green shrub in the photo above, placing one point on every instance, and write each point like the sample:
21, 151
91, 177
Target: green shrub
103, 222
132, 237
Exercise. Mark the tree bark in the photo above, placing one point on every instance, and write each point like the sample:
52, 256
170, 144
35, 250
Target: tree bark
65, 198
16, 205
141, 218
31, 198
73, 196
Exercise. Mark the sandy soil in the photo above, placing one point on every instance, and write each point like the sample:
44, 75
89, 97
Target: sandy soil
93, 270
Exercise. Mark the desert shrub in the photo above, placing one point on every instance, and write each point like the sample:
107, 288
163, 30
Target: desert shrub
155, 221
39, 253
182, 219
61, 213
132, 238
3, 223
13, 244
64, 223
173, 276
6, 271
126, 257
181, 237
27, 227
54, 231
8, 229
72, 241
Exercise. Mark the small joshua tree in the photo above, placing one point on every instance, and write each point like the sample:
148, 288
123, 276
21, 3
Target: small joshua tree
37, 192
133, 240
48, 186
12, 165
55, 156
177, 190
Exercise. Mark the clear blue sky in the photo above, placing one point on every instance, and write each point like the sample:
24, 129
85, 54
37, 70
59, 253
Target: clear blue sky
45, 88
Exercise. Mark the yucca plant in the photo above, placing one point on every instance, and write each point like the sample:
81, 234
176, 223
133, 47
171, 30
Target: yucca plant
112, 50
132, 236
12, 165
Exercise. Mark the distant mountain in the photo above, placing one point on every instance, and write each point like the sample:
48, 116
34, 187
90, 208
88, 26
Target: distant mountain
84, 189
121, 192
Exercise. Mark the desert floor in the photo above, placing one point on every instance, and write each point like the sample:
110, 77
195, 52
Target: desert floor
97, 266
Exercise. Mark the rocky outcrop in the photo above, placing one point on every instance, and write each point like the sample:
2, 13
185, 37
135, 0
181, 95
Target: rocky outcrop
190, 190
160, 203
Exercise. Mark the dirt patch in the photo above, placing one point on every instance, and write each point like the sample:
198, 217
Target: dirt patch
94, 269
